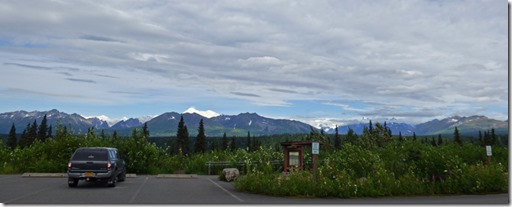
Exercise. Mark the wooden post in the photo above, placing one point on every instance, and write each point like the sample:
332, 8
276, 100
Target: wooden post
286, 159
488, 150
315, 149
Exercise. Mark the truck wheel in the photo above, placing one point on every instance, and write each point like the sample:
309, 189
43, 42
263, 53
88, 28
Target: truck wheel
122, 177
112, 181
72, 183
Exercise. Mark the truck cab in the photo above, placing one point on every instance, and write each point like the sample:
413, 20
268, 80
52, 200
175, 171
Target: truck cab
96, 164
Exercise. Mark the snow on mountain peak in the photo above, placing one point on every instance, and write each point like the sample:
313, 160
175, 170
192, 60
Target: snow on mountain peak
207, 114
109, 120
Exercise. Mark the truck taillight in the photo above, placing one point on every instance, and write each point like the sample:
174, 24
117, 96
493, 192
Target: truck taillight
69, 165
109, 165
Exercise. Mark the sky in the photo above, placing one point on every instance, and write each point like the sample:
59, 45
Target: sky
316, 61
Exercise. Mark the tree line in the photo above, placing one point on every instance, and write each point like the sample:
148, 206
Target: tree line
374, 135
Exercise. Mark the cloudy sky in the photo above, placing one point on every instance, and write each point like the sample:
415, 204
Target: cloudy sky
313, 61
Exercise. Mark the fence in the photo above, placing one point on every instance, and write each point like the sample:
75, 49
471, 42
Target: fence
216, 166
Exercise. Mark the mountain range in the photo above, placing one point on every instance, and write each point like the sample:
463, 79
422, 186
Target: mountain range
237, 125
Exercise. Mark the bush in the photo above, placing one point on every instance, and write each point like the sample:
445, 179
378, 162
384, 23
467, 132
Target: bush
398, 169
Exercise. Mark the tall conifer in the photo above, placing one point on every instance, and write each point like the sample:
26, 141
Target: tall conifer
456, 137
12, 142
337, 139
42, 133
249, 144
232, 144
200, 144
224, 142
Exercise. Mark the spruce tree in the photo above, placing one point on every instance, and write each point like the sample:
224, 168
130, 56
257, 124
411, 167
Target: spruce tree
213, 145
439, 140
400, 138
487, 138
200, 144
25, 139
351, 136
388, 130
50, 132
12, 142
456, 137
186, 146
232, 145
414, 136
32, 132
255, 144
249, 144
433, 142
114, 136
380, 135
337, 139
102, 134
43, 130
493, 136
180, 136
370, 127
145, 131
480, 138
224, 142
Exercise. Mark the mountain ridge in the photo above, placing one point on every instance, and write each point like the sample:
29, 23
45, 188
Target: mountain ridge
238, 125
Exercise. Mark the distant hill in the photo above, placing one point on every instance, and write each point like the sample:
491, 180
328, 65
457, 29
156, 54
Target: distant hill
466, 125
166, 124
233, 125
405, 129
163, 125
54, 117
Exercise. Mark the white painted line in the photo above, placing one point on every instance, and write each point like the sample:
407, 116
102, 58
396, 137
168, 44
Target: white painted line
138, 191
227, 191
182, 176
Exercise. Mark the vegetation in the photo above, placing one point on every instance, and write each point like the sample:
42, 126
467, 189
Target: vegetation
374, 163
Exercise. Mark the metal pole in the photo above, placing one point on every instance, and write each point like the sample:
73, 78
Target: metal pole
315, 159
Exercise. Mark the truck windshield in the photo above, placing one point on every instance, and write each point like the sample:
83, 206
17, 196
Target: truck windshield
90, 155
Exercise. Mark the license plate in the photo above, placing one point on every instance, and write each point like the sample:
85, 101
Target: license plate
88, 174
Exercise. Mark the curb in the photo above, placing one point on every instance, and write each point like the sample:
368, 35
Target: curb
59, 175
45, 175
177, 176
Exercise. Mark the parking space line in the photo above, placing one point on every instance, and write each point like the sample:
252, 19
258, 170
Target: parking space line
227, 191
138, 191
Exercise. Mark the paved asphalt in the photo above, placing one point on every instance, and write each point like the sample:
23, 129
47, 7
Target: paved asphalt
15, 189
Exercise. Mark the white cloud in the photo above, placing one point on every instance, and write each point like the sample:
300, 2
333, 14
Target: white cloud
417, 53
149, 57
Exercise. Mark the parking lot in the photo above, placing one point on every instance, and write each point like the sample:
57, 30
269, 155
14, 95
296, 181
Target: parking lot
144, 189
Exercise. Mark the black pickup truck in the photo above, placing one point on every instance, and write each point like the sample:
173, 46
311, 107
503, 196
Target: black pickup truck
96, 164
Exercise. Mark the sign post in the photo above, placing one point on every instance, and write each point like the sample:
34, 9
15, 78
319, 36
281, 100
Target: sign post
488, 149
315, 150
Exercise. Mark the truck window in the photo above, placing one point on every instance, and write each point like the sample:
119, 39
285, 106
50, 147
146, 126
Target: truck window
90, 155
112, 155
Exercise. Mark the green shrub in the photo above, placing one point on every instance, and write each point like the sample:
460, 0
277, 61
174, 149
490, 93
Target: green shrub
396, 169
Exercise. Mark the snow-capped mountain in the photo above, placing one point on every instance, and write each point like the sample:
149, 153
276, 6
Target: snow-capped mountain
238, 125
464, 124
54, 117
207, 113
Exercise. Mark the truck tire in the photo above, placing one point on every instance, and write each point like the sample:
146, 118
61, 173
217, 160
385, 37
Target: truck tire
112, 181
122, 177
73, 183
